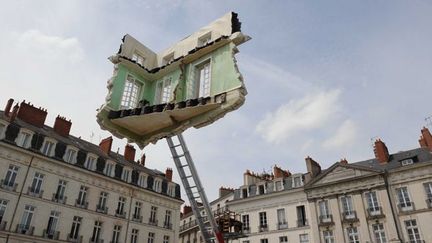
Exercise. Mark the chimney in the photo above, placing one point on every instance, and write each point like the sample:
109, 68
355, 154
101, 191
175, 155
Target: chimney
14, 113
32, 115
313, 167
169, 174
8, 107
279, 173
425, 139
343, 161
381, 151
143, 159
105, 144
223, 191
62, 126
186, 209
129, 153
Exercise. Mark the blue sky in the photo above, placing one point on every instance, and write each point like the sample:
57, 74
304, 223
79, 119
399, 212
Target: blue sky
324, 77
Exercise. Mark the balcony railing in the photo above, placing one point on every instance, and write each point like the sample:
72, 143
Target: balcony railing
188, 225
167, 225
416, 241
81, 204
153, 221
325, 220
120, 214
302, 222
137, 218
77, 239
101, 209
8, 186
263, 228
349, 217
3, 225
429, 202
96, 240
246, 230
406, 207
34, 193
375, 213
59, 199
51, 234
282, 225
24, 229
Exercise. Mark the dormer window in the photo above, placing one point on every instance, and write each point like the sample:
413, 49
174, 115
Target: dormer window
244, 193
48, 147
23, 139
261, 189
406, 162
70, 155
163, 91
170, 190
138, 58
109, 168
203, 40
157, 185
90, 162
125, 175
279, 185
142, 180
168, 59
132, 89
297, 181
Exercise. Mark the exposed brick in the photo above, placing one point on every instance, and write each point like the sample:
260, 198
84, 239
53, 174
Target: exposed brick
62, 126
32, 115
381, 151
105, 144
169, 174
129, 153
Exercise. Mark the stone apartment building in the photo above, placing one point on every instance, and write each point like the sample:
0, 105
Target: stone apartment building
59, 188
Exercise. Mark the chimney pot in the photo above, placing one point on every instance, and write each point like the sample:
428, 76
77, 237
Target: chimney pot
169, 174
129, 153
8, 107
344, 161
425, 139
143, 159
62, 126
32, 115
105, 145
381, 151
187, 209
14, 113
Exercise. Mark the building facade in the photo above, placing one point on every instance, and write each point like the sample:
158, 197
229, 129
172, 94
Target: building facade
59, 188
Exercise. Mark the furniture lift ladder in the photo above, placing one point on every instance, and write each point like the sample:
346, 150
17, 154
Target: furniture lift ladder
194, 190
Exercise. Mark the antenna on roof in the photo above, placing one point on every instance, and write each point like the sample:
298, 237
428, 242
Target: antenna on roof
428, 121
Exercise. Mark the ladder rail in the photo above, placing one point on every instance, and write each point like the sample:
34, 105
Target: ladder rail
198, 189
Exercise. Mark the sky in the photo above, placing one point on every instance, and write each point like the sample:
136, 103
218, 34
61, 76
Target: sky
324, 78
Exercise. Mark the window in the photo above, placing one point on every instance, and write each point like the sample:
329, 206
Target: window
244, 192
96, 231
138, 58
167, 222
3, 205
324, 209
36, 185
265, 240
157, 185
413, 231
131, 93
404, 200
90, 162
304, 238
70, 155
125, 175
82, 196
116, 234
102, 202
60, 192
2, 129
52, 224
134, 236
26, 219
76, 224
163, 91
263, 219
353, 236
428, 190
347, 206
168, 59
137, 211
283, 239
279, 185
109, 169
379, 233
11, 175
301, 216
142, 180
282, 223
170, 190
372, 202
297, 181
47, 148
23, 139
328, 236
153, 213
120, 206
406, 162
204, 39
261, 189
204, 80
245, 221
166, 239
151, 237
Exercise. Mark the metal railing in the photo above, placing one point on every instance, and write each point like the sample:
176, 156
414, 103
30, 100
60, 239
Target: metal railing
429, 202
302, 223
153, 221
167, 225
120, 214
24, 229
78, 239
349, 216
3, 225
34, 193
51, 234
282, 225
81, 204
326, 219
7, 186
406, 207
101, 209
263, 228
58, 199
375, 212
137, 218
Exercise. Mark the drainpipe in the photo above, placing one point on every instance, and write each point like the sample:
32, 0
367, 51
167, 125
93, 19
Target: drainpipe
392, 207
19, 198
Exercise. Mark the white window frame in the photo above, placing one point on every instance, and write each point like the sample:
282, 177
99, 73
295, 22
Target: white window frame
353, 235
11, 176
53, 221
204, 39
61, 189
70, 155
3, 207
372, 202
157, 185
246, 222
109, 168
404, 199
164, 91
48, 147
428, 190
126, 174
82, 195
138, 57
121, 205
36, 185
142, 180
379, 233
90, 162
96, 234
262, 216
283, 239
24, 138
27, 216
281, 217
153, 214
328, 236
324, 208
194, 86
116, 233
279, 185
75, 228
167, 59
297, 180
347, 206
132, 91
134, 236
303, 238
413, 231
103, 198
166, 239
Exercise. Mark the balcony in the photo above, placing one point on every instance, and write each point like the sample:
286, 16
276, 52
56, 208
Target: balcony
416, 241
8, 186
375, 213
24, 229
167, 225
34, 193
96, 240
263, 228
101, 209
3, 225
153, 221
59, 198
188, 225
326, 220
282, 225
406, 207
349, 217
302, 223
120, 214
137, 218
429, 202
72, 239
81, 204
51, 234
246, 230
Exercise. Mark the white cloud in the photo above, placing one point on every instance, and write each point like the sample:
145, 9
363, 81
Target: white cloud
50, 47
310, 112
344, 136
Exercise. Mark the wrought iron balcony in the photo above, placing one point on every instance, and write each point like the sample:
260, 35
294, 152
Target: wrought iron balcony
406, 207
429, 202
81, 204
59, 198
73, 239
24, 229
349, 217
8, 186
101, 209
96, 241
51, 234
120, 214
167, 225
302, 222
153, 221
3, 225
263, 228
34, 193
375, 213
188, 225
282, 225
326, 220
137, 218
246, 230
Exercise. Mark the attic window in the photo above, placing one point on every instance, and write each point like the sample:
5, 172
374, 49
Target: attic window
204, 39
138, 58
244, 193
297, 181
23, 139
261, 189
406, 162
168, 59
